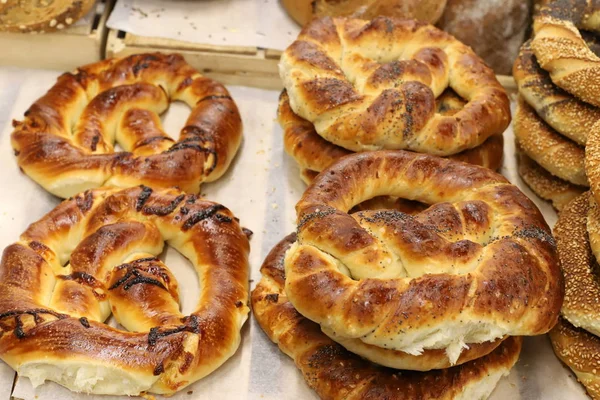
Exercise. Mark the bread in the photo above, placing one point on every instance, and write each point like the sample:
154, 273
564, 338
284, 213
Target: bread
558, 155
95, 254
494, 29
39, 16
565, 113
592, 160
302, 11
371, 275
66, 141
546, 185
391, 73
580, 351
561, 50
313, 153
335, 373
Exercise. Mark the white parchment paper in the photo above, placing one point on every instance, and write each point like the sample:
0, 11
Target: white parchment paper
261, 188
262, 23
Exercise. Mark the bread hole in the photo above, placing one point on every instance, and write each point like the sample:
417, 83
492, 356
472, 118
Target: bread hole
174, 118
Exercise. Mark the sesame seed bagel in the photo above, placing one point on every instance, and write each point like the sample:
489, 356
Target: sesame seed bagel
564, 112
369, 85
558, 155
580, 351
546, 185
577, 227
562, 51
592, 160
314, 154
336, 373
481, 259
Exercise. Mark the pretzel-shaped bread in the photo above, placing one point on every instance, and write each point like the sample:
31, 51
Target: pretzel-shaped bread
97, 253
66, 141
561, 50
477, 265
336, 373
368, 85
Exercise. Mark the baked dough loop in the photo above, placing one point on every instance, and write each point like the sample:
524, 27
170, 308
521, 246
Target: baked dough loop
314, 154
479, 264
558, 155
368, 85
562, 51
97, 253
66, 141
565, 113
580, 351
546, 185
336, 373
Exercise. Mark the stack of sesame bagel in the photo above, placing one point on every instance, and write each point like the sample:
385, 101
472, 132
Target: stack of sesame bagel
558, 104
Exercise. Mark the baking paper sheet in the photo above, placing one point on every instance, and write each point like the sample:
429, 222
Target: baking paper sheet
262, 23
261, 188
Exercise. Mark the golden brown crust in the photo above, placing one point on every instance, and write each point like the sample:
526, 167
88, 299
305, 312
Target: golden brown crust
558, 155
546, 185
96, 253
335, 373
565, 113
356, 275
314, 154
302, 11
577, 225
36, 16
356, 102
580, 351
66, 160
561, 50
592, 160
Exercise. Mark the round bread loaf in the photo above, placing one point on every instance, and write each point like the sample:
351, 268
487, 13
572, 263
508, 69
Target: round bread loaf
96, 254
335, 373
371, 275
41, 16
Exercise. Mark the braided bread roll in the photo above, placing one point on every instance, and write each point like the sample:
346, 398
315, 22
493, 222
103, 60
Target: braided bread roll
97, 253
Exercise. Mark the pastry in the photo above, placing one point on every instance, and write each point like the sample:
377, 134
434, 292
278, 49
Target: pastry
96, 253
336, 373
314, 154
66, 141
561, 50
555, 153
565, 113
481, 259
41, 16
362, 83
546, 185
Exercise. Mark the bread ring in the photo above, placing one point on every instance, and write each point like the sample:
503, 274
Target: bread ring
580, 351
561, 50
66, 141
314, 154
555, 153
335, 373
39, 16
592, 160
546, 185
577, 228
96, 253
481, 260
369, 85
563, 112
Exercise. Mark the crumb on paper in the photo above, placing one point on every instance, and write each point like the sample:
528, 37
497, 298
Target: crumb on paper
274, 206
260, 152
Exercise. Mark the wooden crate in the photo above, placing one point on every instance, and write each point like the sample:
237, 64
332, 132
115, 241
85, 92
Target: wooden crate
233, 65
62, 50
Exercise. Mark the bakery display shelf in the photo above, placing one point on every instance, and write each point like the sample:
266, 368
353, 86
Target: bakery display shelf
80, 44
232, 65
